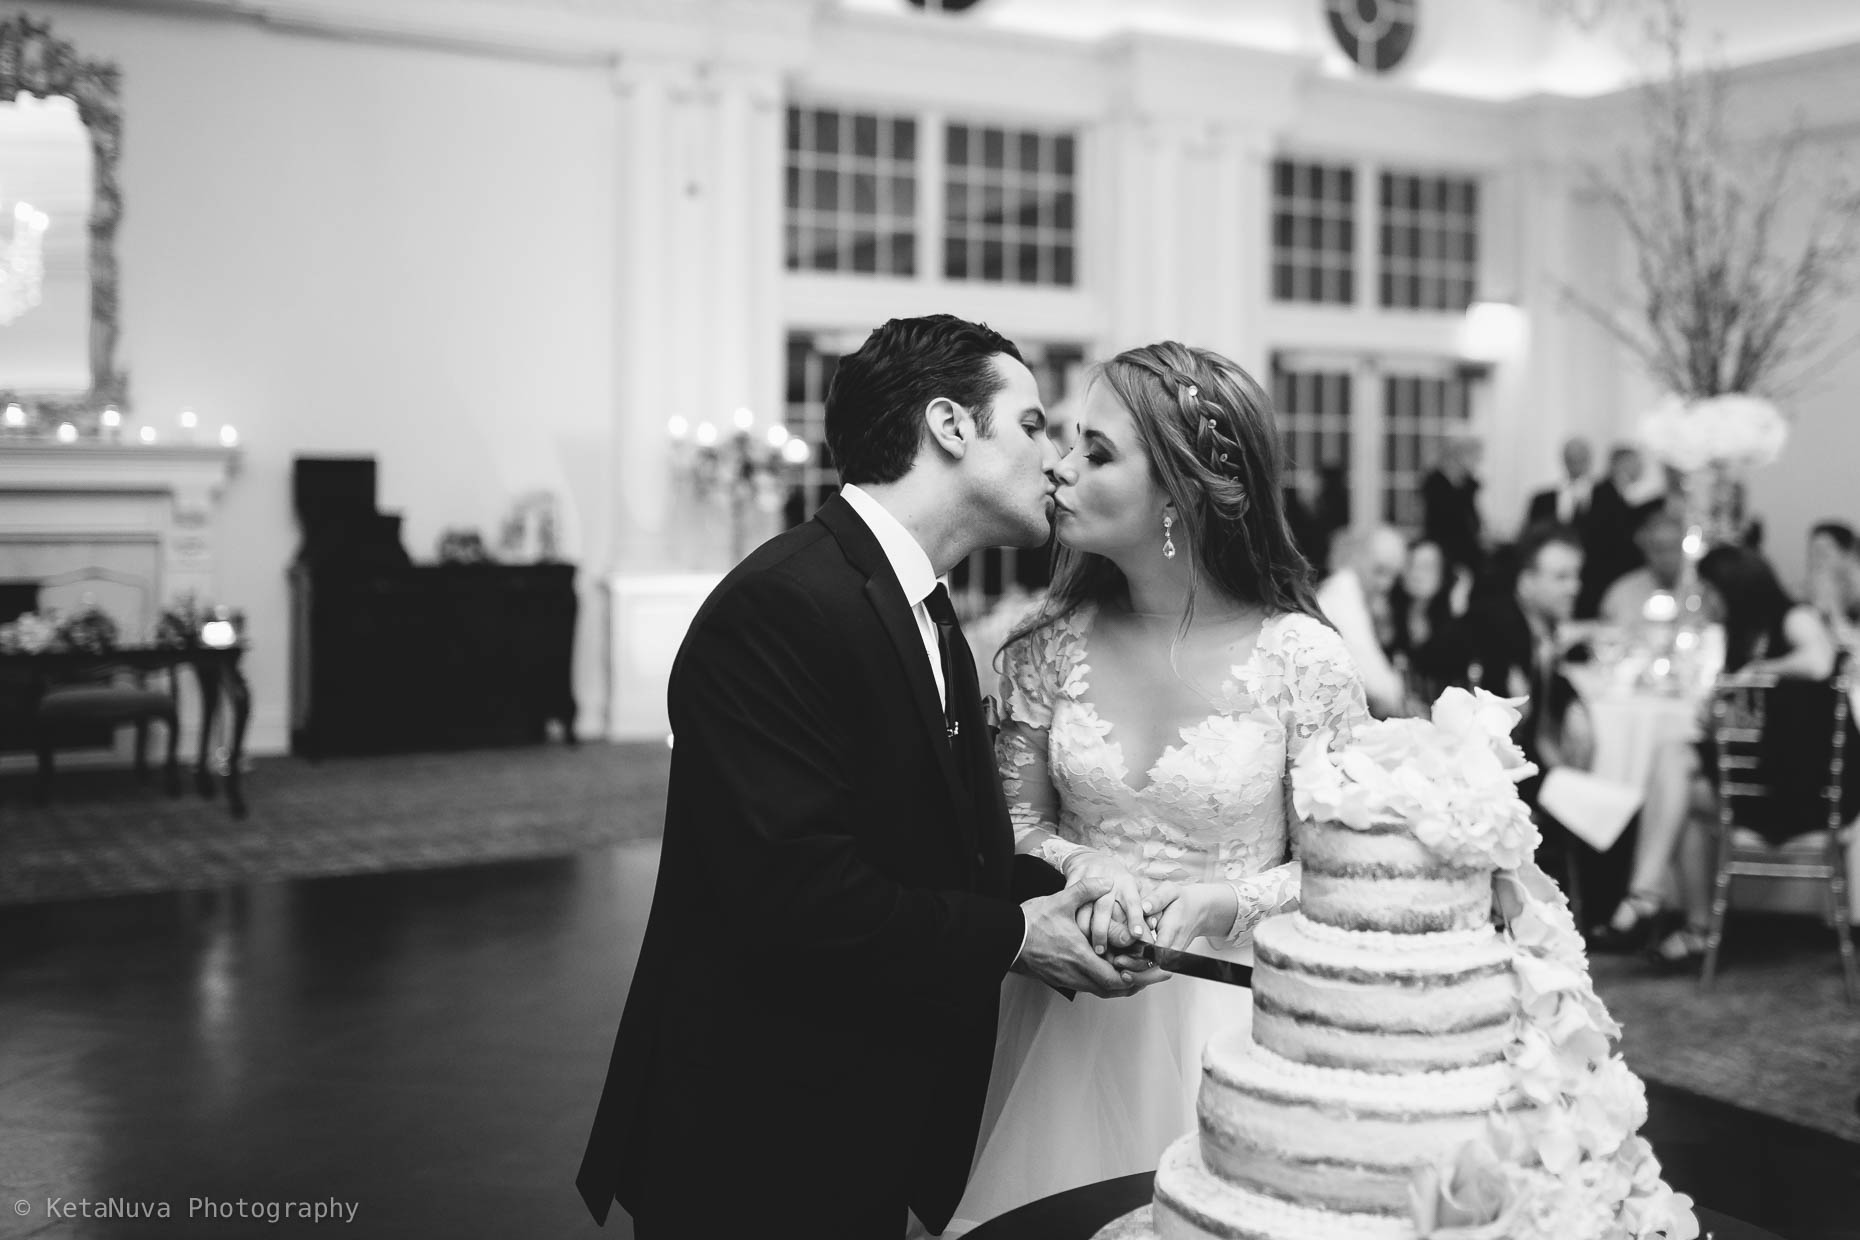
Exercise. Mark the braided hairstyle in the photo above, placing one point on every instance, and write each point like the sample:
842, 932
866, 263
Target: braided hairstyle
1208, 430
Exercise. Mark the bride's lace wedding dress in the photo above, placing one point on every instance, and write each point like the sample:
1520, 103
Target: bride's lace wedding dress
1096, 1088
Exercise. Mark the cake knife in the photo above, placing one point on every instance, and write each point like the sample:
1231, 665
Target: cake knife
1191, 964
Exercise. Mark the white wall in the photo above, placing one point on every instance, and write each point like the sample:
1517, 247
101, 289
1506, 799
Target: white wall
344, 247
496, 246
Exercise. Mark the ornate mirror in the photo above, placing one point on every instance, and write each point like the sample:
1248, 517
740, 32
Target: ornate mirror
60, 134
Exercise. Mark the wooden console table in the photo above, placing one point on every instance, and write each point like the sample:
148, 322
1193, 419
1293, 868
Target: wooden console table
217, 672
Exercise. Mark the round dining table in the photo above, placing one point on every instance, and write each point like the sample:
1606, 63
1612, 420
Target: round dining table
1083, 1213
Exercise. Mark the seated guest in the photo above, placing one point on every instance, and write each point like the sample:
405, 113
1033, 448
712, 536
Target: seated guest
1512, 642
1353, 596
1661, 541
1426, 643
1566, 503
1766, 632
1833, 566
1616, 511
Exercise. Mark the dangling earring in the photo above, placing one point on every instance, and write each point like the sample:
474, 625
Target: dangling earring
1168, 543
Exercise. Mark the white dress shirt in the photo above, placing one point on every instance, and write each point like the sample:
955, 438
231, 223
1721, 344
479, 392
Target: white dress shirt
913, 568
1572, 495
918, 578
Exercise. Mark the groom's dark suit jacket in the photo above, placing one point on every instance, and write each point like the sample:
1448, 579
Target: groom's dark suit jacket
813, 1015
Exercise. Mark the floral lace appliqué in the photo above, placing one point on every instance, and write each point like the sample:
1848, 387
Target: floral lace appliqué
1212, 808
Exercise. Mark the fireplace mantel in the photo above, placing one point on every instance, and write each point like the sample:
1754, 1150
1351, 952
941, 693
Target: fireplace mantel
144, 514
193, 475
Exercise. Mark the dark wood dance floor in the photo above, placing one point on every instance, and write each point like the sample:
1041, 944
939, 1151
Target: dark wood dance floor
428, 1045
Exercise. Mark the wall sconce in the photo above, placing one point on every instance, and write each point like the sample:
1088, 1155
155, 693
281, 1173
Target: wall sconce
737, 470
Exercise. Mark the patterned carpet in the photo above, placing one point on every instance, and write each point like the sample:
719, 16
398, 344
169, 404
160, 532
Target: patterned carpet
104, 834
1774, 1034
1774, 1037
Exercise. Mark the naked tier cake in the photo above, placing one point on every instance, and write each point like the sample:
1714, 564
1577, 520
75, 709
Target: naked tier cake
1426, 1057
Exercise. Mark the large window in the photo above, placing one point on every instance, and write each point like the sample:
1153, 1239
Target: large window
851, 192
1362, 431
1010, 205
1313, 232
1313, 407
1420, 413
1430, 241
986, 575
811, 362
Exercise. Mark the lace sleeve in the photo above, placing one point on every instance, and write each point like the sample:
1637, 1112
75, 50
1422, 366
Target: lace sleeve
1021, 754
1304, 674
1263, 895
1322, 691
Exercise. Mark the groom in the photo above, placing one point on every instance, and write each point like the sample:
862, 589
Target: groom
807, 1040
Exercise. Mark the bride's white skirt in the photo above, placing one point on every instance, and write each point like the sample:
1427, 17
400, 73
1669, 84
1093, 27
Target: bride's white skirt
1092, 1089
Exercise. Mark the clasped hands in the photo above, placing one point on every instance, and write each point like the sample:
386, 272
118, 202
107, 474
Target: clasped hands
1076, 938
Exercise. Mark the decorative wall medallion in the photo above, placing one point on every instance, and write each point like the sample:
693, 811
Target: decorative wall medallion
1374, 34
944, 6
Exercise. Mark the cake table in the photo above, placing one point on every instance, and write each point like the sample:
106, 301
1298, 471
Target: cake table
1085, 1213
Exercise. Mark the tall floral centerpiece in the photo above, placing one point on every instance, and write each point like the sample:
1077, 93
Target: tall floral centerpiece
1712, 443
1742, 246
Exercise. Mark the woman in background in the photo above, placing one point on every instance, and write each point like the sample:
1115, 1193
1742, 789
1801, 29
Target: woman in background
1426, 642
1766, 632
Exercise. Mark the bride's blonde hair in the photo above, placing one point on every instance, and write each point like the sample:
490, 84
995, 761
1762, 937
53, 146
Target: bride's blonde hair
1209, 432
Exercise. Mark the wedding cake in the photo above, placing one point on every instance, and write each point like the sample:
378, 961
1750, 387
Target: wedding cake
1426, 1058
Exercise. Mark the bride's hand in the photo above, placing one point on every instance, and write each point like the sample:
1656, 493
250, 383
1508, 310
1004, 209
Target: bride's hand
1180, 913
1120, 907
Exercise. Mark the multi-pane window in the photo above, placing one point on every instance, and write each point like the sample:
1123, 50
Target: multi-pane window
1420, 414
851, 192
977, 582
1315, 428
1430, 241
1010, 205
1313, 232
983, 577
811, 362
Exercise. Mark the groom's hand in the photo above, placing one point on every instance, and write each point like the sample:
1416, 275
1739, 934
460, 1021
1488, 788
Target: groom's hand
1058, 953
1114, 919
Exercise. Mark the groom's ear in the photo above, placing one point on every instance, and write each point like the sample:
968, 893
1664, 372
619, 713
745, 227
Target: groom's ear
949, 425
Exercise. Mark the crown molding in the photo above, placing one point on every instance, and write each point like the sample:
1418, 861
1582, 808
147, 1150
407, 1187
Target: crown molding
753, 32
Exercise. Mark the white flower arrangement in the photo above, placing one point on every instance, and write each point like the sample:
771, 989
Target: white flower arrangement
1452, 779
1737, 431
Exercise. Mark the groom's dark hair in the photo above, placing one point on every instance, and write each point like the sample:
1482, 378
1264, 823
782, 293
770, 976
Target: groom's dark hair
876, 400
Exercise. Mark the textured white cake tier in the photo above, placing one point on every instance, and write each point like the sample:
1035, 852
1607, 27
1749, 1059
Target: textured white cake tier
1385, 879
1194, 1204
1333, 1137
1382, 1002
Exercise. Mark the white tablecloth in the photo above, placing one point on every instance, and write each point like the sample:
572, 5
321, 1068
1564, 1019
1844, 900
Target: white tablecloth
1632, 725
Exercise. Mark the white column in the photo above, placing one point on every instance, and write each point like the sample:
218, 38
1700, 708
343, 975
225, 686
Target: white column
641, 493
1127, 290
1542, 401
764, 207
1168, 248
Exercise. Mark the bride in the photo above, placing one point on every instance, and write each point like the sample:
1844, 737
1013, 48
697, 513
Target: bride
1152, 708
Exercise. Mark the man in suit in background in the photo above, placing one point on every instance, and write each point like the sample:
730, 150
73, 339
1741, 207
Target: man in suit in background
1450, 505
807, 1041
1516, 652
1617, 506
1566, 503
